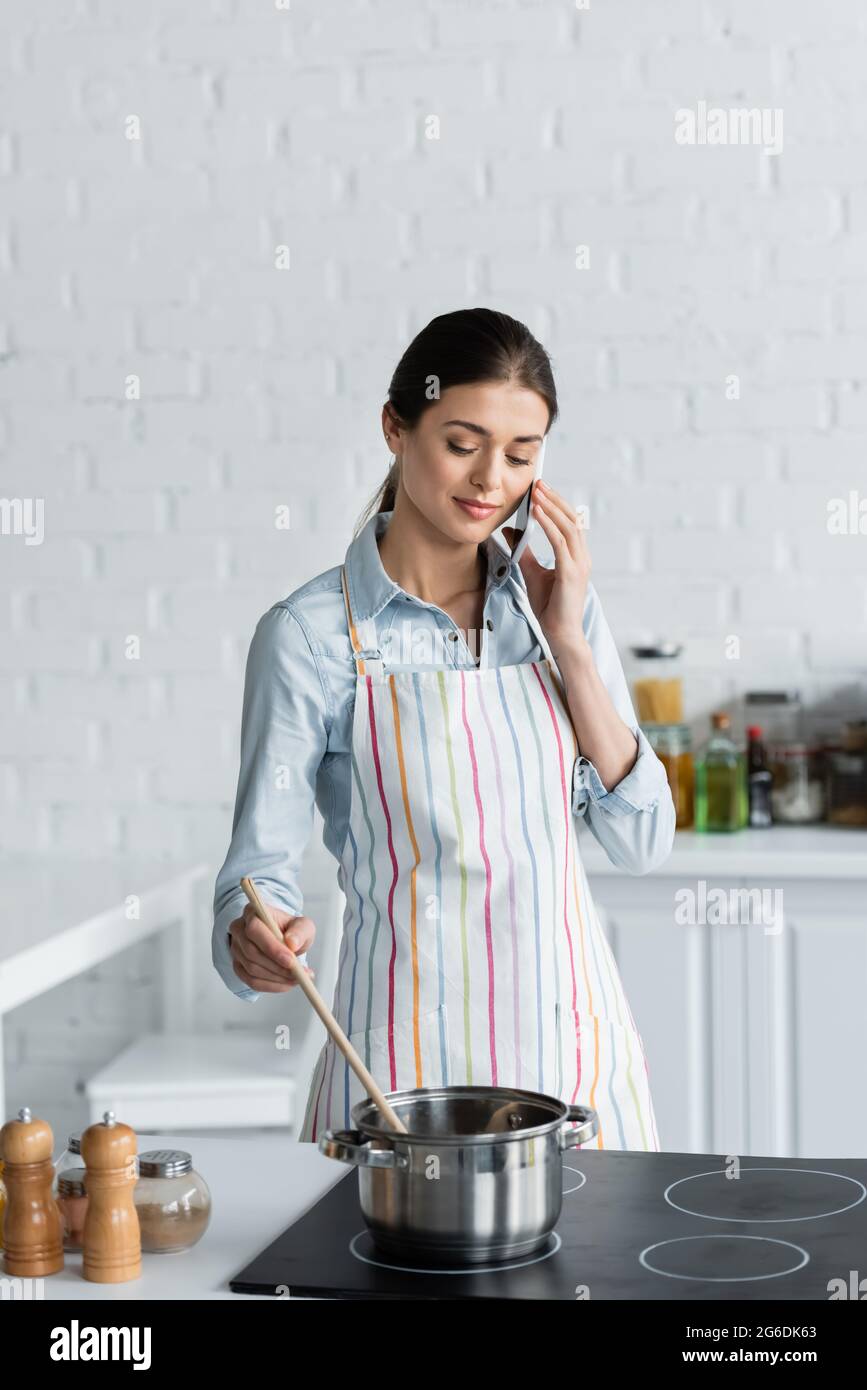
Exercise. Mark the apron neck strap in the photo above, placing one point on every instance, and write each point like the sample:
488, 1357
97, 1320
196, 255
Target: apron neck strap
535, 625
362, 635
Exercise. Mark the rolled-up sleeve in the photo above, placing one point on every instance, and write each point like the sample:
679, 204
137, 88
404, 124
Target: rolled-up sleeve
284, 737
634, 822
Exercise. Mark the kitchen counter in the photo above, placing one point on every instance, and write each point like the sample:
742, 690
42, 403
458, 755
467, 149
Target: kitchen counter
797, 851
259, 1183
615, 1213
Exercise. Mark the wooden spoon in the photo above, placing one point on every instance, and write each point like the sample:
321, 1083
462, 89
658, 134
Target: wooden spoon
319, 1004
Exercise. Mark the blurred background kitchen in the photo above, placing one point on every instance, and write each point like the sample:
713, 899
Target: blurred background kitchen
222, 224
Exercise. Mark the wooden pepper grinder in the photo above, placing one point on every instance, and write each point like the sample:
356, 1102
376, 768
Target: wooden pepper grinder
111, 1243
32, 1230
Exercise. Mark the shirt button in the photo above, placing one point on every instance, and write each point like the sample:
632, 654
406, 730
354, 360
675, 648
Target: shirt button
501, 571
490, 625
453, 636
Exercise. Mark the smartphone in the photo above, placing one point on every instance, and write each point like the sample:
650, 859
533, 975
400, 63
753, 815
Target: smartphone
523, 520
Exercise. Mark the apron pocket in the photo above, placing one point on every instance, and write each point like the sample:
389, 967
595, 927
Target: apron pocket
426, 1065
618, 1047
614, 1077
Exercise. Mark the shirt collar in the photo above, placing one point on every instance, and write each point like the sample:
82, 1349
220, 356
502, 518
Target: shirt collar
370, 588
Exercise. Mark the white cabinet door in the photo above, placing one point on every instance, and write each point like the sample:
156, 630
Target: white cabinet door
828, 945
754, 1027
665, 972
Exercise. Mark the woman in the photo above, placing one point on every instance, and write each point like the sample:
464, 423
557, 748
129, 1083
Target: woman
431, 696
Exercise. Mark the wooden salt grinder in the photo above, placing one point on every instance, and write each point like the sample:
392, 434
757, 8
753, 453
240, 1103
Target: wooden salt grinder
111, 1243
32, 1229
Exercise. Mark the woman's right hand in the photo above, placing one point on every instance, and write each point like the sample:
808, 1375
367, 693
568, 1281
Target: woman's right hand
259, 959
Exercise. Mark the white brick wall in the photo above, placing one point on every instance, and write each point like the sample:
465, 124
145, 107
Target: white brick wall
263, 126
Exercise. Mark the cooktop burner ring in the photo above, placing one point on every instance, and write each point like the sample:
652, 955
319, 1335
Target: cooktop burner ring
464, 1269
765, 1220
582, 1175
723, 1278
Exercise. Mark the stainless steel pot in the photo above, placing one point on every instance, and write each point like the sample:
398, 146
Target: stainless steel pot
446, 1192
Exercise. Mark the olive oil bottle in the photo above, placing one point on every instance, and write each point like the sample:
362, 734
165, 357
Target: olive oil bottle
721, 794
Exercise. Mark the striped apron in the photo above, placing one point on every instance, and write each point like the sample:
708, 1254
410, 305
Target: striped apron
471, 950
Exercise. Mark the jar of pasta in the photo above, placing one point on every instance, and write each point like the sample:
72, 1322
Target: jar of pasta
657, 683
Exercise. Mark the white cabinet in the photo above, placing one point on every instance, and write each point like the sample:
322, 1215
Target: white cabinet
754, 1028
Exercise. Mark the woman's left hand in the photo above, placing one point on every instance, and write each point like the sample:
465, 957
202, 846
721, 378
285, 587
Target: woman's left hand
558, 595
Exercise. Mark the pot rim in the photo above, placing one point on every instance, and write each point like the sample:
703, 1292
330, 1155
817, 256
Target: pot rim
381, 1130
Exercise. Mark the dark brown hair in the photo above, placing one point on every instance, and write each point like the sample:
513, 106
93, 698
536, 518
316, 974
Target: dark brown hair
459, 349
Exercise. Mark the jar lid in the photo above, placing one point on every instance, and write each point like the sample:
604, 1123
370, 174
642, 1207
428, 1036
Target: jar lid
772, 697
164, 1163
71, 1183
669, 738
658, 649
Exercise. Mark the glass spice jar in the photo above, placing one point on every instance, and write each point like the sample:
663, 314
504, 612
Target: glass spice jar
846, 776
70, 1158
779, 712
672, 744
172, 1201
72, 1201
797, 788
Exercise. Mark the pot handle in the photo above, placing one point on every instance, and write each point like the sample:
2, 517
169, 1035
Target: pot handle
588, 1125
350, 1147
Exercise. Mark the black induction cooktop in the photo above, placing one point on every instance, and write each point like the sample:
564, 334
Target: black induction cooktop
634, 1225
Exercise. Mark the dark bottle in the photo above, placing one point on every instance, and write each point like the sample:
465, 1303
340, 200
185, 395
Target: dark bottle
759, 779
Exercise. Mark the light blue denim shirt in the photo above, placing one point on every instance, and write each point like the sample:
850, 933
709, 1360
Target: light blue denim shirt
296, 724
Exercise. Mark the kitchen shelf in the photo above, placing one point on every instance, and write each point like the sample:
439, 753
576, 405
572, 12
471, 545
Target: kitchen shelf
202, 1081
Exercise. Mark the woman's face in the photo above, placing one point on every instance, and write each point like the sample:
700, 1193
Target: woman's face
476, 444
